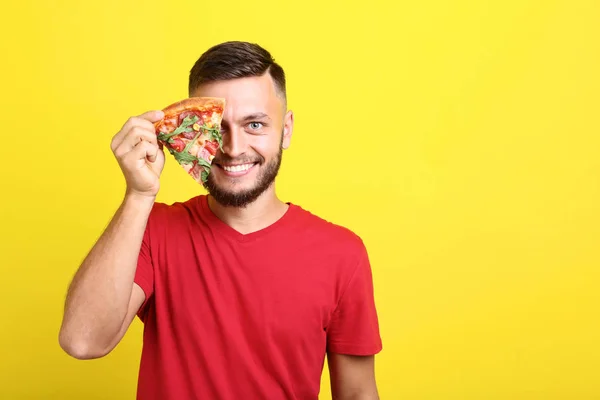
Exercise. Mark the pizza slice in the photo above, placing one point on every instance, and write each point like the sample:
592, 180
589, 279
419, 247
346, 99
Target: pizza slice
191, 131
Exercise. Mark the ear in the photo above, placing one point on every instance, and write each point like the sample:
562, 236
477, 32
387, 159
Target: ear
288, 127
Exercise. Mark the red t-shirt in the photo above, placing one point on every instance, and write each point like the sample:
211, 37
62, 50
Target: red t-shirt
230, 316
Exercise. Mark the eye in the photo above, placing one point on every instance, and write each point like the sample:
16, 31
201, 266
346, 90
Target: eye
255, 125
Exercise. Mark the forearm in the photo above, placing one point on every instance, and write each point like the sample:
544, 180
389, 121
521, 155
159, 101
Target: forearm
98, 297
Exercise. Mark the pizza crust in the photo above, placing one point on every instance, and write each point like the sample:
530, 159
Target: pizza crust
194, 103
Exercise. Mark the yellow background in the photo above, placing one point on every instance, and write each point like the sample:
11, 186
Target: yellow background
458, 138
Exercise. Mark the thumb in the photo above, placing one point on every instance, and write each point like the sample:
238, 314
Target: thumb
153, 115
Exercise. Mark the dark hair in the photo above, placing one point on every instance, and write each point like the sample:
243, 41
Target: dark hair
235, 59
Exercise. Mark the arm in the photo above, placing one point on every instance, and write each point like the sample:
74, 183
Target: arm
352, 377
353, 336
102, 299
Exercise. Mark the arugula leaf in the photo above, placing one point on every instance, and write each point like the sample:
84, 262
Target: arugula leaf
204, 176
219, 138
214, 133
204, 163
187, 122
168, 137
191, 142
184, 127
184, 157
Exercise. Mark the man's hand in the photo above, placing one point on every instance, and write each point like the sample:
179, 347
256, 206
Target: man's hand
136, 149
352, 377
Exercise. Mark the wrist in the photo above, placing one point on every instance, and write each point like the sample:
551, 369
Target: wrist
138, 199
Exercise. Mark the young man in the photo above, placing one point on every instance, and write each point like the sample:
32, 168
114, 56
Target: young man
242, 295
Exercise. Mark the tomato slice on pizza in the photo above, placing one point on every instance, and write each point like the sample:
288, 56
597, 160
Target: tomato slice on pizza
191, 132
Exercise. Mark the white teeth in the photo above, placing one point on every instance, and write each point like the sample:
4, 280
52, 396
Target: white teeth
237, 168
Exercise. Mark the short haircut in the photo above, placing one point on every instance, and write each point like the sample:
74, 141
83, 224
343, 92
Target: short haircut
236, 59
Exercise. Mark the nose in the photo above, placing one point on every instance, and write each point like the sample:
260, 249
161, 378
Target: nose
234, 142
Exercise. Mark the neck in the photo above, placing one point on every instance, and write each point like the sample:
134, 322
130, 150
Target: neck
264, 211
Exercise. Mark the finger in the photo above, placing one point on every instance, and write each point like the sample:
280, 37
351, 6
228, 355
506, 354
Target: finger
131, 123
143, 120
152, 116
143, 151
152, 154
133, 137
137, 134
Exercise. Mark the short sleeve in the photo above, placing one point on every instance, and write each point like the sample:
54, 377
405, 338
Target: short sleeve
354, 326
144, 274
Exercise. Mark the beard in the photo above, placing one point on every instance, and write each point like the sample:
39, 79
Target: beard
241, 199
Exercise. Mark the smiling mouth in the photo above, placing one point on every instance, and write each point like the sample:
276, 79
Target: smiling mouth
237, 168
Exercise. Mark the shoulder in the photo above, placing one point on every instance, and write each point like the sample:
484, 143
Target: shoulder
163, 213
335, 250
331, 234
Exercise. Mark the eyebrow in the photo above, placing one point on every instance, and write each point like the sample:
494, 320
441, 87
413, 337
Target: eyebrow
254, 116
